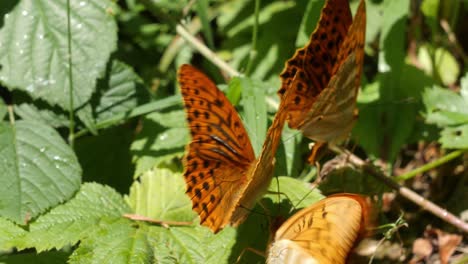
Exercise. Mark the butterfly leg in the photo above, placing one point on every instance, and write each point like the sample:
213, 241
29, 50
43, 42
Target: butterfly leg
253, 250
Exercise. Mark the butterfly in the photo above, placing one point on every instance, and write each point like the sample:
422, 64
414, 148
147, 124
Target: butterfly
324, 76
323, 233
222, 175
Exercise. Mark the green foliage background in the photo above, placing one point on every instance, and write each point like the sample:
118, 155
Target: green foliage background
93, 128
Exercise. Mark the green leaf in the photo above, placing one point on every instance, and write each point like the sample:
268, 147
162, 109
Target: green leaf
42, 112
160, 194
309, 21
3, 109
296, 192
236, 21
430, 9
8, 232
444, 107
114, 242
455, 137
75, 220
34, 53
163, 138
51, 257
441, 61
39, 170
255, 111
120, 91
191, 244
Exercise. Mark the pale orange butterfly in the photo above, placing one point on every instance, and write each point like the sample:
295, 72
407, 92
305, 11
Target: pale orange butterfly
323, 233
222, 175
324, 76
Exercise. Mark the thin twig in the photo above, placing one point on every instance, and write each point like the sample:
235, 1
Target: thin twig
163, 223
215, 59
405, 192
11, 114
205, 51
453, 39
431, 165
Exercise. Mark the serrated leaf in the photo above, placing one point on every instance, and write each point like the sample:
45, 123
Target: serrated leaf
114, 242
39, 170
39, 110
8, 232
455, 137
160, 194
35, 59
191, 244
76, 219
122, 90
444, 107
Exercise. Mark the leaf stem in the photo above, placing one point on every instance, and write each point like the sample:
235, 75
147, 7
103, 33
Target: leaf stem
253, 49
137, 111
71, 136
403, 191
431, 165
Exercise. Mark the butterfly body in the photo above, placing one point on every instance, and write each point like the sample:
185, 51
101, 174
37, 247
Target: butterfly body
322, 233
222, 175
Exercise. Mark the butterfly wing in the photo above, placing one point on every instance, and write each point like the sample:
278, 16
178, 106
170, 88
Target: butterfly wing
220, 153
334, 112
309, 71
323, 102
322, 233
261, 172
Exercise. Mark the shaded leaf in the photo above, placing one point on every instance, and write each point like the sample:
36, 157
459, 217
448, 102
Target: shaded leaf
113, 168
50, 257
163, 138
39, 170
120, 91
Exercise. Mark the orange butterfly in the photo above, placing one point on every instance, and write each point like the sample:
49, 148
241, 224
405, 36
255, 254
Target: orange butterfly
322, 233
223, 177
324, 76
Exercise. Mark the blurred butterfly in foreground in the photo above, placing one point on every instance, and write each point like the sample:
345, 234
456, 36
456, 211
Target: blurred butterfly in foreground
222, 176
323, 233
325, 75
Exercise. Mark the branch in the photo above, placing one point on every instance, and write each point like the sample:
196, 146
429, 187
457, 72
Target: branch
405, 192
205, 51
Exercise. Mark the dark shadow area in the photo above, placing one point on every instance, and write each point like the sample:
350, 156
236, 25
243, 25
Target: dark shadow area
106, 158
5, 7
